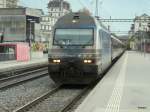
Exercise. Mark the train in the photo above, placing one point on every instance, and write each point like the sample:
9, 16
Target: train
82, 49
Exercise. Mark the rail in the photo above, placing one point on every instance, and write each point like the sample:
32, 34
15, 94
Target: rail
16, 71
24, 77
37, 100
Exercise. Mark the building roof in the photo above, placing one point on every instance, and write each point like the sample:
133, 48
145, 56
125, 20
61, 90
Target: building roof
21, 11
142, 16
57, 3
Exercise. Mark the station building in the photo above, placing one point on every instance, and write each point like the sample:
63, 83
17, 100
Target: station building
56, 9
20, 24
140, 33
9, 3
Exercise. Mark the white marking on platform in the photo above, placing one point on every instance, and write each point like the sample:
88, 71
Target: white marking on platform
115, 99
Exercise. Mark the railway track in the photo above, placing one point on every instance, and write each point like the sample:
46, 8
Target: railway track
20, 78
58, 100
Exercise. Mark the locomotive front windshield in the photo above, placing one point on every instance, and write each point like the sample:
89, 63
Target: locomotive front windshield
73, 37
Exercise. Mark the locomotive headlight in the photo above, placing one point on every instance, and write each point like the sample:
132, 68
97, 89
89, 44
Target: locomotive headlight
85, 61
88, 61
56, 61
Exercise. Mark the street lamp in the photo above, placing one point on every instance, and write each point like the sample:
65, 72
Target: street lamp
30, 35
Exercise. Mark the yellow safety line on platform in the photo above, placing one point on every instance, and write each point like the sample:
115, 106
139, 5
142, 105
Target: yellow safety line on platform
115, 99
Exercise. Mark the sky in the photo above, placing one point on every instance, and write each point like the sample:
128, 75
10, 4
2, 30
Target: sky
125, 9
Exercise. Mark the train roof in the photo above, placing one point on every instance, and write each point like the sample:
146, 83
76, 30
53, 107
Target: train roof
75, 20
115, 38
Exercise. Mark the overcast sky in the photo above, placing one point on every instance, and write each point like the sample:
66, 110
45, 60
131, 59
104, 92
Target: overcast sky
107, 8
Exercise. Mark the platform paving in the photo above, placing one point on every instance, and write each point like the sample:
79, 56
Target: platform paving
11, 65
125, 88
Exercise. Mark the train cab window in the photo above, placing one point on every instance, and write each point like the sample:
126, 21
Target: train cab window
73, 37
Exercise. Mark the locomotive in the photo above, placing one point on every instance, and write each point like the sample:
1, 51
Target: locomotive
82, 49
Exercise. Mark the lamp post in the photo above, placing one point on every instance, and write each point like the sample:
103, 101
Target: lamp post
30, 35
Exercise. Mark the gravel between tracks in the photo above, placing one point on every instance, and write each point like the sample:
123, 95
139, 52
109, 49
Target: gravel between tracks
56, 102
74, 107
17, 96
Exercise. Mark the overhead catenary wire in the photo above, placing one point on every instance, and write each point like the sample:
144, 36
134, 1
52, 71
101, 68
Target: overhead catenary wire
97, 7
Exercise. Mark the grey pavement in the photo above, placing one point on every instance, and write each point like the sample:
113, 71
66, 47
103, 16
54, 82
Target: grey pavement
8, 65
125, 88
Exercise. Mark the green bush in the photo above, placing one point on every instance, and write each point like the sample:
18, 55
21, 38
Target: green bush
37, 46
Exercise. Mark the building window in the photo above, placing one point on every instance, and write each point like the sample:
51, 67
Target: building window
47, 18
56, 14
51, 19
47, 27
140, 25
42, 18
42, 27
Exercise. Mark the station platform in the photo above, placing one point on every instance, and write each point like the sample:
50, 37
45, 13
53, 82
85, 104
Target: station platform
12, 65
125, 88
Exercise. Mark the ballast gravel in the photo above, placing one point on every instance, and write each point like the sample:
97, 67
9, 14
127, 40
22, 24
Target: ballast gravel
12, 98
56, 102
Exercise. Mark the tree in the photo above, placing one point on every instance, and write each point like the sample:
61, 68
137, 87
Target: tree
85, 10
